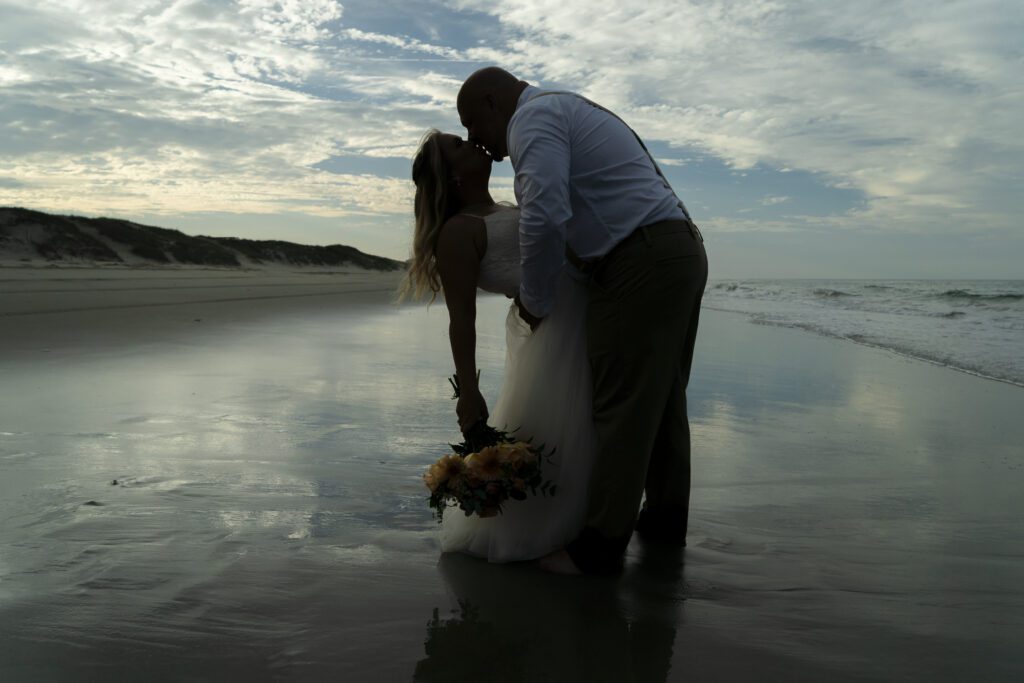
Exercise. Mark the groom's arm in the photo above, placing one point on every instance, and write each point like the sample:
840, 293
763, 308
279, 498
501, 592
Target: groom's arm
539, 146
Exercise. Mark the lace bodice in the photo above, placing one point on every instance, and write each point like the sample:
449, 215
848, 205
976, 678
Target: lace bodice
499, 268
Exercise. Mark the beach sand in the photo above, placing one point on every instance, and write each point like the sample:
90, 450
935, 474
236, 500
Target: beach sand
855, 515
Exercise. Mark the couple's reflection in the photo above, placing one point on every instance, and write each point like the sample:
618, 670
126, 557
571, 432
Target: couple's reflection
514, 623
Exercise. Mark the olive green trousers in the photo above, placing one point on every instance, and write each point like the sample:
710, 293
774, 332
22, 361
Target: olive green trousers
641, 321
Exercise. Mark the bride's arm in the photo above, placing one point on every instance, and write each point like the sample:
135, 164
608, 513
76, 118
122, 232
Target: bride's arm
459, 250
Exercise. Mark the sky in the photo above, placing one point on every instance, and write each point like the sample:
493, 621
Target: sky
823, 138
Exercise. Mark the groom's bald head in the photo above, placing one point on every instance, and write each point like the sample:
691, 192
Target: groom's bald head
489, 79
486, 102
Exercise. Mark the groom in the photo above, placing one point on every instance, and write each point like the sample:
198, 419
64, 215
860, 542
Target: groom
590, 193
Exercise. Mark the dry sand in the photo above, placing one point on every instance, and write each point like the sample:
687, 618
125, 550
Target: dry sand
51, 307
36, 290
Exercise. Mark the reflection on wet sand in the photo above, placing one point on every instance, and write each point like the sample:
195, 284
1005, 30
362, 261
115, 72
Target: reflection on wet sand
854, 516
514, 623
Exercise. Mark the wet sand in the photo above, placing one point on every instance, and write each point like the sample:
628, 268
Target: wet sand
855, 515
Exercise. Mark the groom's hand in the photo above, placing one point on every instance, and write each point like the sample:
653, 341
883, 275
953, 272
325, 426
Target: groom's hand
529, 318
470, 409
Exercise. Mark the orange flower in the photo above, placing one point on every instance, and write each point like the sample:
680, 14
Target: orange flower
431, 479
486, 464
453, 465
523, 456
508, 453
446, 469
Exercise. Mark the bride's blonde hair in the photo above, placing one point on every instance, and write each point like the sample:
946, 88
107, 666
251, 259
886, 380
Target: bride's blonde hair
434, 204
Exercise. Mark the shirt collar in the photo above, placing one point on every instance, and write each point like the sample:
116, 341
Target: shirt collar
524, 97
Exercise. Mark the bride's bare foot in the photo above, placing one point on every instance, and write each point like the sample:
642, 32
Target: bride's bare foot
559, 562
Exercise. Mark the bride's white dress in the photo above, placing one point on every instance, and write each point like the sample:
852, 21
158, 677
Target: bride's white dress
546, 396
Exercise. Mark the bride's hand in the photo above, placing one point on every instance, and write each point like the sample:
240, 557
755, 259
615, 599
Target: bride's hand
470, 409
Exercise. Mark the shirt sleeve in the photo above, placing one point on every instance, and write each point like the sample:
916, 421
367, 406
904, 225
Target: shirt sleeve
539, 143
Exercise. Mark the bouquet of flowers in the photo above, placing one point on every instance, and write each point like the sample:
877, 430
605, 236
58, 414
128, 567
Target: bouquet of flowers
484, 471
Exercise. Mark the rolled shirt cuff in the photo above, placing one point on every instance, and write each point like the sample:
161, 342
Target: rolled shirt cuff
537, 307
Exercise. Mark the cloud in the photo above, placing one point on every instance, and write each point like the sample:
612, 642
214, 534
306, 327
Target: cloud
181, 106
170, 177
402, 42
888, 98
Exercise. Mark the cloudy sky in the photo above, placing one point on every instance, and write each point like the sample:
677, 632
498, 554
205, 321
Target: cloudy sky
818, 138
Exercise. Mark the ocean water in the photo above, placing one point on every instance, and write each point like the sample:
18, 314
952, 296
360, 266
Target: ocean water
976, 326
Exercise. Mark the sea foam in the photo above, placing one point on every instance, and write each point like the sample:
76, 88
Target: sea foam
976, 326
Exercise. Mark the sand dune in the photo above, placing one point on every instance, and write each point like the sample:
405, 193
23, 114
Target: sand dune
33, 237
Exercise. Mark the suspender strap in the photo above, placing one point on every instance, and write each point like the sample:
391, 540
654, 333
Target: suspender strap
586, 267
657, 169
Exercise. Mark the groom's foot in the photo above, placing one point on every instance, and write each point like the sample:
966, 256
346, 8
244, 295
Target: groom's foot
668, 526
559, 562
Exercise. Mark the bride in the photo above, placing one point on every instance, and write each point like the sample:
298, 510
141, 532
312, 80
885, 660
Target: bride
464, 241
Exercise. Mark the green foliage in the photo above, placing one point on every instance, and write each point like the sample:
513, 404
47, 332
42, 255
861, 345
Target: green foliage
74, 237
202, 251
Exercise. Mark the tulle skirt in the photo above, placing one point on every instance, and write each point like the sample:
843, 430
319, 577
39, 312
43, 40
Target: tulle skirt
546, 397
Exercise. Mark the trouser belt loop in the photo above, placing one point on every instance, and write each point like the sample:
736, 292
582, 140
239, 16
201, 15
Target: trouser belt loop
694, 230
646, 235
585, 267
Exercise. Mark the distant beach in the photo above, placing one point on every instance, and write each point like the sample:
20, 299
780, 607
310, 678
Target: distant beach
46, 290
216, 474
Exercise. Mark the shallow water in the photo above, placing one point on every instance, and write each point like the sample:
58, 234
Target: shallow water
855, 516
973, 325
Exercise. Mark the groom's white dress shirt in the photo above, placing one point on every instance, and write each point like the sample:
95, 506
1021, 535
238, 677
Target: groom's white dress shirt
582, 178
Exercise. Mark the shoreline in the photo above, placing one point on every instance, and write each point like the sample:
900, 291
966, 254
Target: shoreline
295, 284
750, 318
98, 282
